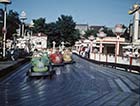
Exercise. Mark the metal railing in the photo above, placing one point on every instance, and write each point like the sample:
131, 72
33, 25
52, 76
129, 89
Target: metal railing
110, 63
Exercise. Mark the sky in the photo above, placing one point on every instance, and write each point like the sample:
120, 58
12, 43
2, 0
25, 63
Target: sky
91, 12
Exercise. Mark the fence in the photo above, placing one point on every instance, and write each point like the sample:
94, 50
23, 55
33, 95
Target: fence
125, 63
111, 59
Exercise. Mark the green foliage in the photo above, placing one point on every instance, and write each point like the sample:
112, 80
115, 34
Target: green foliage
12, 23
53, 33
39, 25
90, 32
95, 31
109, 32
126, 33
1, 23
61, 30
66, 27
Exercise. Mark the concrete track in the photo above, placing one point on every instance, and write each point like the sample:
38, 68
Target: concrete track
80, 84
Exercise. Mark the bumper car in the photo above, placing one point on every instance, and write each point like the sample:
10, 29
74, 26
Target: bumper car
67, 58
56, 60
40, 67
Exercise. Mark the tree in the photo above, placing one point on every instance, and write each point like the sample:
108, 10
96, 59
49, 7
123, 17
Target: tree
1, 23
13, 22
66, 27
90, 32
53, 33
109, 32
126, 33
61, 30
75, 37
39, 25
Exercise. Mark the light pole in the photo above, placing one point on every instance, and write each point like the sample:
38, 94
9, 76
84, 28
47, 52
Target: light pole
4, 30
101, 35
23, 18
118, 31
54, 46
91, 38
79, 46
31, 27
62, 43
135, 11
30, 35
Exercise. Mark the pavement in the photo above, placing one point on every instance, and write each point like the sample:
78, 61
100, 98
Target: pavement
8, 66
80, 84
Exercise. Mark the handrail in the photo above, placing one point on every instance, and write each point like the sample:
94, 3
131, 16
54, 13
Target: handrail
113, 65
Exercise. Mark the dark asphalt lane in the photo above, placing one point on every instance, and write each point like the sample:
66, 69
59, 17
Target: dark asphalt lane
79, 84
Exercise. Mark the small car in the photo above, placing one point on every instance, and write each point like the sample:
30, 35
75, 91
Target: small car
41, 66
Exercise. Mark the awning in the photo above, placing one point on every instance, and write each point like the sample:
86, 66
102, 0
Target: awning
131, 47
128, 47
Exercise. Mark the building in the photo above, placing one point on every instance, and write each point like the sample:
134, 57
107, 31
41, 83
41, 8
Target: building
109, 44
95, 27
82, 28
39, 41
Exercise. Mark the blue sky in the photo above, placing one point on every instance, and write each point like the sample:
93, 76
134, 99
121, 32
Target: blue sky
92, 12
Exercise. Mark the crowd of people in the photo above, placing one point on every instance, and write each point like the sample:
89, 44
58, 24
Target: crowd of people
85, 51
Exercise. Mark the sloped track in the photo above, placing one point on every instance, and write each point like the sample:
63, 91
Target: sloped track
79, 84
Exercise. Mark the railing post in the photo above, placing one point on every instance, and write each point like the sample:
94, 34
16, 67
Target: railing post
106, 58
94, 56
130, 62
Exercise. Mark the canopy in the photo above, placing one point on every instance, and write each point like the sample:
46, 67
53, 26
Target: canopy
128, 47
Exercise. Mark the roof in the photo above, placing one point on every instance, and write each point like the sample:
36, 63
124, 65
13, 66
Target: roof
81, 24
39, 34
96, 27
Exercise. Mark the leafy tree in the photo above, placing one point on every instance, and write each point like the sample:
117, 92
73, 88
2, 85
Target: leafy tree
109, 32
39, 25
53, 33
126, 33
51, 29
1, 23
61, 30
75, 37
66, 27
90, 32
13, 22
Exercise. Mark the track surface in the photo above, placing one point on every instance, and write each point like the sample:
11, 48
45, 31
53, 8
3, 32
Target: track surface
80, 84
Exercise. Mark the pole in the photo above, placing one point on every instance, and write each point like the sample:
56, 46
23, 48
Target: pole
47, 42
5, 31
116, 53
22, 29
117, 48
136, 26
94, 56
54, 46
106, 58
118, 45
100, 49
130, 62
91, 44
